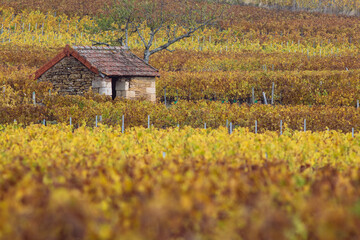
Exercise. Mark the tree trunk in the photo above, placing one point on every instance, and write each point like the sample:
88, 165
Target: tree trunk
147, 55
126, 37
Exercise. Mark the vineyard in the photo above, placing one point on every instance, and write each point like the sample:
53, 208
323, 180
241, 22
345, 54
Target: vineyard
254, 134
101, 184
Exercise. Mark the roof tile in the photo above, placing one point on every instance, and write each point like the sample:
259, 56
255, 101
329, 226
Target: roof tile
112, 61
116, 61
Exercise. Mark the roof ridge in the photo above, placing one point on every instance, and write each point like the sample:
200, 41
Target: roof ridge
114, 48
111, 61
98, 48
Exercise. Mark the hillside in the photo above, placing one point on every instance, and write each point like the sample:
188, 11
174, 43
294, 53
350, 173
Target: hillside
309, 60
254, 134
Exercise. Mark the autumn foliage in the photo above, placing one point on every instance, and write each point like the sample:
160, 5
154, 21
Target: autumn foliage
178, 171
98, 183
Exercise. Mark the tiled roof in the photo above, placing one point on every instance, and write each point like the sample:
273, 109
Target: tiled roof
116, 61
111, 61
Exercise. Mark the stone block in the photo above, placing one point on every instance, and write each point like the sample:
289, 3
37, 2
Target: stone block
122, 85
106, 91
151, 90
55, 77
101, 84
87, 76
130, 94
74, 76
120, 93
147, 84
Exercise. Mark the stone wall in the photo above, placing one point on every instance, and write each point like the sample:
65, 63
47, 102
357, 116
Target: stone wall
136, 88
102, 85
69, 76
122, 88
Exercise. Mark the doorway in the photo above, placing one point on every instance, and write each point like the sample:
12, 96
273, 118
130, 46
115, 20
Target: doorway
113, 87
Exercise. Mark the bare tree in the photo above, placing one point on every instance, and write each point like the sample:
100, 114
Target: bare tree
119, 15
177, 19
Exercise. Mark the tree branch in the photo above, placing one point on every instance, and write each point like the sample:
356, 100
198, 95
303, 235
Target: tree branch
176, 39
141, 36
96, 43
152, 35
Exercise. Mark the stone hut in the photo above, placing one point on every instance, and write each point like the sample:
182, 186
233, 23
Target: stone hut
113, 71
